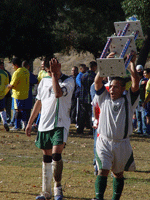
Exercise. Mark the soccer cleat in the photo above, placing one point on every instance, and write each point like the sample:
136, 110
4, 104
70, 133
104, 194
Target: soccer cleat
42, 198
58, 194
6, 127
15, 129
58, 197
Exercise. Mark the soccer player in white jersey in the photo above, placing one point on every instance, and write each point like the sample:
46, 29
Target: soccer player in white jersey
54, 102
113, 149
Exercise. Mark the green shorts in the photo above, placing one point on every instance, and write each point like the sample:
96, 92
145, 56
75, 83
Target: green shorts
48, 139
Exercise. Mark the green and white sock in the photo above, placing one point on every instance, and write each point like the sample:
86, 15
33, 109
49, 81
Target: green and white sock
100, 186
118, 184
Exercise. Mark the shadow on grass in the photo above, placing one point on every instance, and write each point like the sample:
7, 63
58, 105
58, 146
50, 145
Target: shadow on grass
8, 192
139, 138
146, 172
77, 198
65, 197
138, 180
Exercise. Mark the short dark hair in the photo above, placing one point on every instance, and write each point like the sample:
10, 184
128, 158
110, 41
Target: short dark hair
147, 70
120, 79
47, 60
16, 61
83, 66
92, 64
25, 63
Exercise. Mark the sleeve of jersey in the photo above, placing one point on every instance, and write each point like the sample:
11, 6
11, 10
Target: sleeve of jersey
67, 86
148, 87
134, 97
101, 95
14, 79
39, 90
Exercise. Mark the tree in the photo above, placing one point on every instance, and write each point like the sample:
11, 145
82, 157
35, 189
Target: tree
85, 25
141, 9
26, 28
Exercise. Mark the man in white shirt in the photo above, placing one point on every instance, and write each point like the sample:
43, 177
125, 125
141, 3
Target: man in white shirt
54, 102
113, 149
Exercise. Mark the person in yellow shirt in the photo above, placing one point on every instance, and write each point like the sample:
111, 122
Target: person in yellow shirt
4, 81
146, 103
42, 73
20, 91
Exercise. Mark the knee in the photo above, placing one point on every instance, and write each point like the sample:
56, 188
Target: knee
118, 175
47, 159
56, 156
103, 172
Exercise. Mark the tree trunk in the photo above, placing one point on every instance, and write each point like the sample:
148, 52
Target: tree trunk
144, 50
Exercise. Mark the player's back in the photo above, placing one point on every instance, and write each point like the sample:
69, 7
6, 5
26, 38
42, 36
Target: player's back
20, 81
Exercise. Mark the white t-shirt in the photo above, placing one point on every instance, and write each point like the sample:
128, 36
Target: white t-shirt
112, 120
55, 112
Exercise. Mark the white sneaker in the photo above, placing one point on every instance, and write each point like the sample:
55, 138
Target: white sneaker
15, 129
58, 194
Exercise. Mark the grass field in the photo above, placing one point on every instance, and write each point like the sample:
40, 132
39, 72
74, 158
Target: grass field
20, 168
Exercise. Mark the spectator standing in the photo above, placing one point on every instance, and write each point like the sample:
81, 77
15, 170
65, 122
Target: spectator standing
42, 73
140, 111
73, 114
82, 69
33, 80
4, 81
146, 103
54, 100
85, 114
8, 96
20, 91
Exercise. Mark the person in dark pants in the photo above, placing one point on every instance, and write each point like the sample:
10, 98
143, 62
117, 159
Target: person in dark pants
73, 112
33, 80
7, 97
85, 107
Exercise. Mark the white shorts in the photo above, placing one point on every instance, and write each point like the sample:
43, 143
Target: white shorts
114, 155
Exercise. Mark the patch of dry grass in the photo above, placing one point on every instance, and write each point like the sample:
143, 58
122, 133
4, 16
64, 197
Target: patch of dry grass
20, 168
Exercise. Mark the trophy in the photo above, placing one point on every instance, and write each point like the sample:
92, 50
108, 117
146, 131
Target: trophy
123, 44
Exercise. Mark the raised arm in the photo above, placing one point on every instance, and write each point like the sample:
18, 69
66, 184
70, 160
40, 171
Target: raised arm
98, 82
55, 69
98, 79
134, 75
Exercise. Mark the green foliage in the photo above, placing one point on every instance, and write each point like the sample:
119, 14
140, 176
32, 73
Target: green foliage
140, 8
26, 27
86, 24
33, 28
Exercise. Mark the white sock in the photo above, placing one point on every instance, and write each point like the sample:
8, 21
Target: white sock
46, 179
4, 117
57, 173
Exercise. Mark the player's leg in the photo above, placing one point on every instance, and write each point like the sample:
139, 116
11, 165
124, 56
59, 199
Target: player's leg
43, 142
3, 114
104, 163
46, 175
59, 140
118, 184
101, 183
57, 170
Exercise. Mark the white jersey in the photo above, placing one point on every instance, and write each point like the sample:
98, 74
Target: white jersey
115, 121
55, 112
